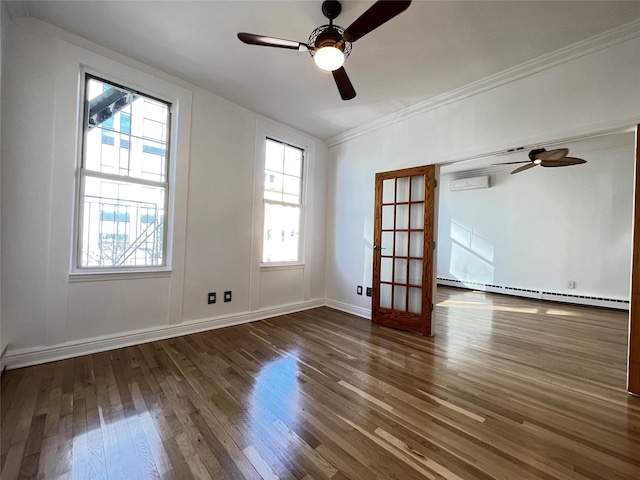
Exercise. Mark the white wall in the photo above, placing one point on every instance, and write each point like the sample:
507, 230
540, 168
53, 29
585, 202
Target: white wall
541, 228
45, 313
588, 93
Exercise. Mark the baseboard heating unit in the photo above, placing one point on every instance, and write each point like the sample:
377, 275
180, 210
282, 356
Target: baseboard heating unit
616, 303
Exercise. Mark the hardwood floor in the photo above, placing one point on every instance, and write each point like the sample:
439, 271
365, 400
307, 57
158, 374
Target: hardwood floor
507, 389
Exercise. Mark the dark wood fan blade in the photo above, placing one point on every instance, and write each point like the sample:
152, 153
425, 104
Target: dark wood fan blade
253, 39
511, 163
347, 92
524, 167
557, 154
380, 12
565, 162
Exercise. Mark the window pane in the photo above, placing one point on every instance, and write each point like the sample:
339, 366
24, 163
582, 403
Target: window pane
400, 270
277, 196
415, 272
402, 189
125, 133
153, 129
293, 161
122, 224
274, 156
415, 300
399, 298
281, 233
385, 295
388, 217
386, 265
388, 191
417, 243
273, 182
417, 188
288, 198
417, 215
291, 185
402, 241
387, 243
402, 216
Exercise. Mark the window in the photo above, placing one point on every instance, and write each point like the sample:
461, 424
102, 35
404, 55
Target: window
123, 178
282, 202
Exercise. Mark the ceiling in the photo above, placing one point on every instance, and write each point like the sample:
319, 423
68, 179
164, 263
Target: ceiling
432, 48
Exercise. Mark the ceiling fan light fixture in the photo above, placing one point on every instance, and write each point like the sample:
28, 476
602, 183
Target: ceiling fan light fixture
330, 44
329, 58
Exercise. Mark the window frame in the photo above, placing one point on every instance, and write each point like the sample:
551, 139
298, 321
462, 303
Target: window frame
302, 205
82, 173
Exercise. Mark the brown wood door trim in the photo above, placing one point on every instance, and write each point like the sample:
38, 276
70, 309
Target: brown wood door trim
633, 374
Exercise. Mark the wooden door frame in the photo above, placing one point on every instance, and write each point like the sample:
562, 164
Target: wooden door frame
633, 371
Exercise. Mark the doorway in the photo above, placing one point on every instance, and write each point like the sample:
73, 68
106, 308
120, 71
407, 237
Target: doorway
473, 246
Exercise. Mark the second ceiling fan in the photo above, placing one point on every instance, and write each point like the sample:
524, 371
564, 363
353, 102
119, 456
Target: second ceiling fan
546, 158
330, 45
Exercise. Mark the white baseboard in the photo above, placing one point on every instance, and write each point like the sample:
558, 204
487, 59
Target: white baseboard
11, 359
44, 354
348, 308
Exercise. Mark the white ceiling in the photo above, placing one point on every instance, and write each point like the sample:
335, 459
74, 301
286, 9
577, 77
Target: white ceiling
432, 48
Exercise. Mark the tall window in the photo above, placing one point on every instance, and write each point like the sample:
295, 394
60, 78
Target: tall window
123, 178
282, 202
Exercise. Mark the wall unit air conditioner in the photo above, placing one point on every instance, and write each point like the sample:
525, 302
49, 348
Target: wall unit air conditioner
469, 183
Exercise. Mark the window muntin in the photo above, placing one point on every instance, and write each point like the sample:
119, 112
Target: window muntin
123, 178
282, 211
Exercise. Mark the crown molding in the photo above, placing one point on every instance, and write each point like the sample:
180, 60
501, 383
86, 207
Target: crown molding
17, 9
579, 49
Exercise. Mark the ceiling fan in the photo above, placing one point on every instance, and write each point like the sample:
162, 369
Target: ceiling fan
546, 158
330, 45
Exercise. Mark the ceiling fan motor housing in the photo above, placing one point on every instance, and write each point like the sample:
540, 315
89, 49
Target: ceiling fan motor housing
533, 153
328, 36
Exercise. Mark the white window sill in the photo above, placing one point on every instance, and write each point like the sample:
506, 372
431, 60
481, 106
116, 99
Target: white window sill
78, 277
281, 266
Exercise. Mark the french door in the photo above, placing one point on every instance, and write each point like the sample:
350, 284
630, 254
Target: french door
403, 260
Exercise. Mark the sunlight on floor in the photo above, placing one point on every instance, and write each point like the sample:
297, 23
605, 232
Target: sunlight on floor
485, 306
502, 308
277, 380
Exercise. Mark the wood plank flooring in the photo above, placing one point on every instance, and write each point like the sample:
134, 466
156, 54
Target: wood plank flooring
507, 389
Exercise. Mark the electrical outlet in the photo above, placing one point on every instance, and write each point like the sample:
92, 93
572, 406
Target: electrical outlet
571, 284
211, 298
359, 290
368, 291
227, 296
